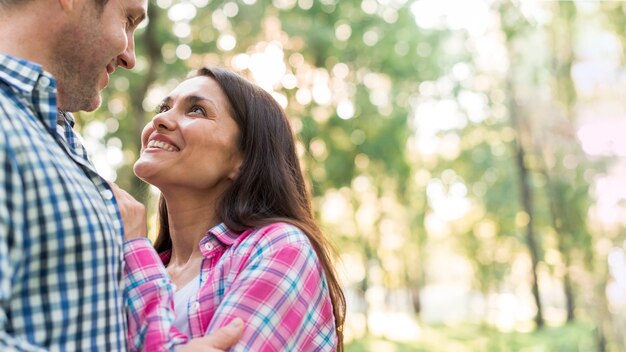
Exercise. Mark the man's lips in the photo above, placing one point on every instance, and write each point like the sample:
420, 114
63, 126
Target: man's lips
110, 68
106, 80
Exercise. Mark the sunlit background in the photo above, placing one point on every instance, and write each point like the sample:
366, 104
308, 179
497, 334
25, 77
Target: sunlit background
467, 157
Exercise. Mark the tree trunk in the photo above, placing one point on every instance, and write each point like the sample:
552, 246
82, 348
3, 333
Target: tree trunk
568, 289
527, 205
526, 195
604, 319
567, 94
557, 211
525, 188
416, 271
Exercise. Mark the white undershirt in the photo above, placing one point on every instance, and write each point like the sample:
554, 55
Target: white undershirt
181, 304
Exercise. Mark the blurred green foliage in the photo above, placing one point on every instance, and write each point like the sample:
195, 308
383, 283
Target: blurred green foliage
409, 133
469, 338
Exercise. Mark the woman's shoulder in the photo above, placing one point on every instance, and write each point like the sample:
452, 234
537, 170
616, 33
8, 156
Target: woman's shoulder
277, 248
279, 232
274, 235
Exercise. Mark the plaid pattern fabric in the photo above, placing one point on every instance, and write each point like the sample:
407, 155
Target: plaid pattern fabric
270, 277
65, 125
60, 229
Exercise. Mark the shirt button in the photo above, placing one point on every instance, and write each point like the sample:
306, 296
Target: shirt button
107, 194
195, 306
44, 81
208, 246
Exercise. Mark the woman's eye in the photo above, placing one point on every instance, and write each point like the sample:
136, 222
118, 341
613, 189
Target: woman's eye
197, 110
163, 108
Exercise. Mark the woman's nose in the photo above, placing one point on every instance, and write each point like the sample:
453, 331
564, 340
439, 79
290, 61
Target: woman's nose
163, 121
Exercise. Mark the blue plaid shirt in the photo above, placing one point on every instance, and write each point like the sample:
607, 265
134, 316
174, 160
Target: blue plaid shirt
60, 230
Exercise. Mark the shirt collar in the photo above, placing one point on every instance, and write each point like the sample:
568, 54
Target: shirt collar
24, 75
218, 236
64, 116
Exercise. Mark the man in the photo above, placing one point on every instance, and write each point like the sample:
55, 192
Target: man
61, 224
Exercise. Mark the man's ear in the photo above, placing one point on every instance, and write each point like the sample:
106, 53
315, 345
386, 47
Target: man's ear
67, 5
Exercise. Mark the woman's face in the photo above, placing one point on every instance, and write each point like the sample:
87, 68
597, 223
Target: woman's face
191, 143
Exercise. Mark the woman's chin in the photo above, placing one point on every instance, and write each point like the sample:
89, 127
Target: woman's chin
143, 171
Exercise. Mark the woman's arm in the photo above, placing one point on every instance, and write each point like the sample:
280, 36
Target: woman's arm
149, 294
280, 292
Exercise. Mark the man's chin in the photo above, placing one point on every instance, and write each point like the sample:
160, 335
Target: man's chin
74, 105
94, 103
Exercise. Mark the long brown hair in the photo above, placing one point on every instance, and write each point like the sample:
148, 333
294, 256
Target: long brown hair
270, 186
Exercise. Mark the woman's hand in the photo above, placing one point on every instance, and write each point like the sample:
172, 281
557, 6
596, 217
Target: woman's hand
133, 213
218, 341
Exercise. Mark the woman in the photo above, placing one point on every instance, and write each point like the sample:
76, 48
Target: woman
236, 231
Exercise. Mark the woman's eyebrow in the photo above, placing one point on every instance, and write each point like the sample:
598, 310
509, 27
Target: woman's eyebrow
194, 99
166, 100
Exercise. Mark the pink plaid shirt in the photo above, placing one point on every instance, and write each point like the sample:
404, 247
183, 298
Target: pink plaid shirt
270, 277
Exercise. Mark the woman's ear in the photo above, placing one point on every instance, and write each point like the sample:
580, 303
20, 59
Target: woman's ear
234, 174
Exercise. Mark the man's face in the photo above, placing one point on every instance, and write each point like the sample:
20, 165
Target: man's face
92, 44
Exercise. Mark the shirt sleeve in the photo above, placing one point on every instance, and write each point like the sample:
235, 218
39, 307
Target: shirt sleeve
149, 295
11, 221
281, 295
